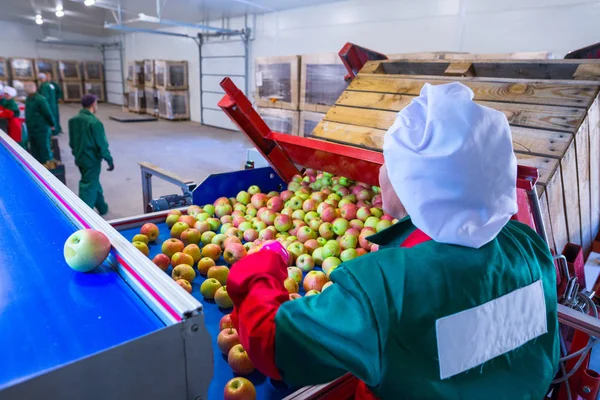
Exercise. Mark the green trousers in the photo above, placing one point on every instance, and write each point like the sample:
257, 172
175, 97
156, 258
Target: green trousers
39, 147
90, 190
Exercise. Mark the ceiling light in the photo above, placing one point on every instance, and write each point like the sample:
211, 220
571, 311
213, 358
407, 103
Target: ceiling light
39, 21
60, 13
89, 2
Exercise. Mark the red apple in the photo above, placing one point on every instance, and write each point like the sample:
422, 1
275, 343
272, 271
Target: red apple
330, 263
188, 220
209, 287
185, 285
348, 211
226, 219
286, 195
314, 280
326, 230
275, 204
183, 271
266, 234
374, 248
227, 338
311, 245
238, 220
201, 226
211, 250
162, 261
190, 236
150, 230
234, 253
353, 232
305, 233
172, 246
250, 235
282, 222
328, 214
225, 322
205, 264
360, 252
221, 201
305, 262
239, 388
309, 205
259, 200
86, 249
219, 272
224, 209
239, 361
318, 197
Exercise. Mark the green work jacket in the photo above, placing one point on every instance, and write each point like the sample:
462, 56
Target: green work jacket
10, 105
88, 140
38, 117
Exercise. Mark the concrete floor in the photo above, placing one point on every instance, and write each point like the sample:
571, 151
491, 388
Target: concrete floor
186, 148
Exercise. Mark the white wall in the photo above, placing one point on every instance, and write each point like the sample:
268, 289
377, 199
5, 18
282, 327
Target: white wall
19, 40
389, 26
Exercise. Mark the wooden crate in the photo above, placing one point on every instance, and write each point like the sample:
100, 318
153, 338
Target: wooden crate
136, 99
22, 69
308, 122
46, 66
135, 73
443, 55
69, 70
151, 96
149, 74
3, 69
553, 116
321, 81
93, 71
72, 91
174, 105
277, 82
171, 75
283, 121
96, 88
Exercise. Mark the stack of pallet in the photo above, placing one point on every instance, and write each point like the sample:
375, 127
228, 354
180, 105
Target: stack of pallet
150, 92
93, 75
135, 87
171, 80
71, 77
3, 70
552, 106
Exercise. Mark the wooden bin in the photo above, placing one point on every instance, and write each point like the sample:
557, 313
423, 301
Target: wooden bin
136, 99
171, 75
321, 81
22, 69
69, 70
149, 73
72, 91
96, 88
3, 69
551, 105
174, 105
93, 71
277, 82
283, 121
447, 55
308, 122
135, 73
151, 96
46, 66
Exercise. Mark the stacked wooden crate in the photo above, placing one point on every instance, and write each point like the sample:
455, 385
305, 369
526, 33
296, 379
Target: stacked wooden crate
551, 105
150, 92
71, 77
93, 74
135, 87
21, 71
3, 70
171, 79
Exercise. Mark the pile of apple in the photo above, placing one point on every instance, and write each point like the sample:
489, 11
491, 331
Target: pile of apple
321, 219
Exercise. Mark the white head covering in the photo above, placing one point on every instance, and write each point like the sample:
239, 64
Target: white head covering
452, 165
41, 75
12, 92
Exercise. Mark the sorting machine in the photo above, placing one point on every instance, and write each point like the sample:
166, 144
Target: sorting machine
127, 330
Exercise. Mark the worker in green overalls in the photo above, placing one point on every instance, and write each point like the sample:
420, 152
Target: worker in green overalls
89, 145
458, 303
49, 91
40, 123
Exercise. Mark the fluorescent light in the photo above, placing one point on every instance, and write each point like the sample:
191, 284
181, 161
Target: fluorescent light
60, 13
39, 21
38, 16
89, 2
59, 7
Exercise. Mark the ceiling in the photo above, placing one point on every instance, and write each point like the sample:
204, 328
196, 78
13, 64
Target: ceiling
90, 20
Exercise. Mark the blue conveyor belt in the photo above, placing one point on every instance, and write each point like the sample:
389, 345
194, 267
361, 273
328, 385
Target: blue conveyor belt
49, 314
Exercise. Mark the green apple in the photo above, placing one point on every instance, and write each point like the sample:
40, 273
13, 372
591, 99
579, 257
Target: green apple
317, 256
178, 229
207, 237
305, 263
183, 271
329, 263
209, 288
372, 222
348, 254
220, 273
382, 225
140, 238
86, 249
209, 209
222, 298
295, 273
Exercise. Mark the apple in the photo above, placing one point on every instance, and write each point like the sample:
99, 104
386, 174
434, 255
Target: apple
182, 258
296, 249
204, 264
266, 234
203, 216
363, 242
239, 361
239, 388
298, 214
207, 237
314, 224
224, 209
357, 224
348, 254
372, 222
151, 231
321, 207
253, 190
231, 240
331, 249
162, 261
225, 322
249, 246
234, 232
362, 203
374, 248
383, 224
175, 212
305, 262
188, 220
243, 197
352, 232
291, 285
312, 293
341, 191
305, 233
340, 226
325, 286
295, 203
234, 253
363, 213
259, 200
329, 263
142, 247
311, 245
225, 227
202, 226
219, 272
282, 222
193, 251
250, 235
318, 197
332, 203
190, 236
348, 211
222, 298
328, 214
309, 205
348, 242
178, 229
183, 271
295, 273
244, 226
193, 210
251, 210
294, 186
219, 240
172, 246
286, 195
209, 287
140, 238
221, 201
275, 204
211, 250
259, 225
227, 338
314, 280
310, 216
237, 220
172, 219
184, 284
294, 296
344, 181
322, 241
360, 252
214, 223
387, 217
209, 209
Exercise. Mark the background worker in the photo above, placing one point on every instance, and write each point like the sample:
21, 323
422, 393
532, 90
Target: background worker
9, 110
87, 140
59, 97
40, 123
48, 90
458, 303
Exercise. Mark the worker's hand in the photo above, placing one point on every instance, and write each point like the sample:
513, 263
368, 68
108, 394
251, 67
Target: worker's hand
111, 166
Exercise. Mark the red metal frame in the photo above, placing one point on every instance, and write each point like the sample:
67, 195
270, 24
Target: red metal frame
355, 57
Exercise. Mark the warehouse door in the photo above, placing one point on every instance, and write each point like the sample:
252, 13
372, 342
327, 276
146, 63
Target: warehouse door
113, 69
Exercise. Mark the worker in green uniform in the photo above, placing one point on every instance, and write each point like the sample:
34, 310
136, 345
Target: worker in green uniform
458, 303
59, 97
89, 145
40, 123
49, 91
8, 100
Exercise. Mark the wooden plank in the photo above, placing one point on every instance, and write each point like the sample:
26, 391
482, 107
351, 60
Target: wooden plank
546, 166
594, 131
582, 157
308, 122
568, 169
556, 208
547, 223
587, 72
521, 92
462, 68
525, 140
530, 115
